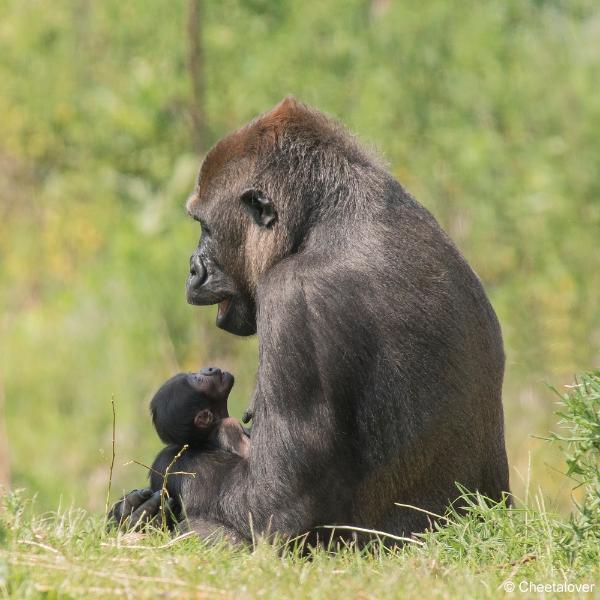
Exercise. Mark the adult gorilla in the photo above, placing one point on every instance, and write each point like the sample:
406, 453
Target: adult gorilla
381, 359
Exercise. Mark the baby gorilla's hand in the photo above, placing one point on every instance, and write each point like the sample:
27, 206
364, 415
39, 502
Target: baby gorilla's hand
138, 508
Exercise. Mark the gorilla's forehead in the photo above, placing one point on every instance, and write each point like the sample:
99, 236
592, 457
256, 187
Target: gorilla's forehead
222, 159
246, 144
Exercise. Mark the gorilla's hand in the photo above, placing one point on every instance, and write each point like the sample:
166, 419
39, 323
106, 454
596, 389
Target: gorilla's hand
138, 508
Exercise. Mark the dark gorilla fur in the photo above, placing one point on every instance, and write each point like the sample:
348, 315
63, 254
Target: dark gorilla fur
381, 358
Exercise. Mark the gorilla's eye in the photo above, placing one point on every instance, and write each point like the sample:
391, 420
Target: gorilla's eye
205, 229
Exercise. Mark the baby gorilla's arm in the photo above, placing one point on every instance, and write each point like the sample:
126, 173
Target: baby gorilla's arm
230, 436
137, 509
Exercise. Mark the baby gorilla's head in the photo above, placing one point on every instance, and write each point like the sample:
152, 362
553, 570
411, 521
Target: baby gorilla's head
188, 406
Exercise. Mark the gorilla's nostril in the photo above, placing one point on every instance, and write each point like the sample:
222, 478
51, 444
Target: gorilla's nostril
210, 371
197, 269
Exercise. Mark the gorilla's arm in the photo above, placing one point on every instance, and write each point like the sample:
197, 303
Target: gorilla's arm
190, 496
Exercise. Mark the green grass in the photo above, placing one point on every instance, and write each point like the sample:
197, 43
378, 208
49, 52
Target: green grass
68, 554
472, 554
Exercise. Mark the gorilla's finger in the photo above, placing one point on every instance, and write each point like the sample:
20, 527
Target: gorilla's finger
121, 509
145, 511
247, 416
114, 515
134, 499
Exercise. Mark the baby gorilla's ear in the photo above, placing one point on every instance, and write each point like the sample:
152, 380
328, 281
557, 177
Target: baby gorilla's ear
203, 419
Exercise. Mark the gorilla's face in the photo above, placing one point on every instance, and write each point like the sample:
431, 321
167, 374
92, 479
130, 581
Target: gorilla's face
237, 244
243, 233
218, 266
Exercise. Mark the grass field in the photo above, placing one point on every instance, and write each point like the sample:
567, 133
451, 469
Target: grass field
68, 554
486, 551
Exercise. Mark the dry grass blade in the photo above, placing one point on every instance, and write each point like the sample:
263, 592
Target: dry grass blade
113, 454
40, 545
398, 538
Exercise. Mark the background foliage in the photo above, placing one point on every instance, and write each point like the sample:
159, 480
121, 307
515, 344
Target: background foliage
489, 112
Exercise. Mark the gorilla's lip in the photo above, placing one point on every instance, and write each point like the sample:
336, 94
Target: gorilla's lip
223, 309
227, 380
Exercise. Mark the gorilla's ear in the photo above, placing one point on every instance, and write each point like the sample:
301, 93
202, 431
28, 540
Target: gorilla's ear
259, 207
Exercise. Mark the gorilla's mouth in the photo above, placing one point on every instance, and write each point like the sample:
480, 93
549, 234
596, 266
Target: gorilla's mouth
235, 314
223, 308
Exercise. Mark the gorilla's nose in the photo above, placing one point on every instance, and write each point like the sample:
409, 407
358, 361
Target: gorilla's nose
197, 270
211, 371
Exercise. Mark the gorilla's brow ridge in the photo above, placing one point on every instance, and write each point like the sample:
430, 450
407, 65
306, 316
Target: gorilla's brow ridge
191, 205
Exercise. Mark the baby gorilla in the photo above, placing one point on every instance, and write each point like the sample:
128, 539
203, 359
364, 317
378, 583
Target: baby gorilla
191, 408
188, 409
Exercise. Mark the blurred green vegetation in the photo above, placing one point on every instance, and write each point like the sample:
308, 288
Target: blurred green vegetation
488, 112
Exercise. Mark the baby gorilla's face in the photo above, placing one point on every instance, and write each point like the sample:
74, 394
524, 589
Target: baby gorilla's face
214, 385
187, 406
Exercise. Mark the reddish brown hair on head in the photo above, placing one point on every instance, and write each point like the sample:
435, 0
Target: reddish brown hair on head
251, 140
